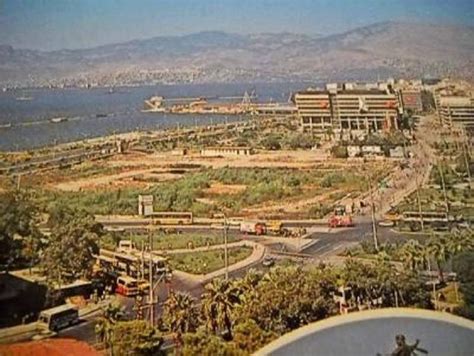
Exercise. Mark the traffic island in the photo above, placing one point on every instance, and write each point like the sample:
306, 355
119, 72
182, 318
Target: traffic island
253, 254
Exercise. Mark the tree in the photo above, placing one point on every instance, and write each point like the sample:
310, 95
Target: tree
377, 285
112, 314
460, 241
271, 142
73, 242
136, 337
463, 265
287, 298
412, 254
179, 314
218, 302
249, 337
205, 343
438, 248
339, 151
20, 239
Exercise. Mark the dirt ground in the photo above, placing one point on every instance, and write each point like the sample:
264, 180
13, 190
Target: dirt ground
219, 188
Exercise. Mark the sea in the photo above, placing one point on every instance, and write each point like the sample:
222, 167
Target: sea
79, 114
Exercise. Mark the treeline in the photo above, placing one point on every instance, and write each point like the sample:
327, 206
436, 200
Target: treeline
238, 317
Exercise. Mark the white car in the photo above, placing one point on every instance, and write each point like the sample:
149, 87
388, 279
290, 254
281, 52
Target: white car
386, 223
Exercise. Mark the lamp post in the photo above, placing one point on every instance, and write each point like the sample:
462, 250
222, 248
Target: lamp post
150, 273
372, 208
226, 255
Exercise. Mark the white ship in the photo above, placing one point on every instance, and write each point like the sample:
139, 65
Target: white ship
154, 104
58, 119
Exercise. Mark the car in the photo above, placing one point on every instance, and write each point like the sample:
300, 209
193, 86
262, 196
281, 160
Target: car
268, 261
386, 223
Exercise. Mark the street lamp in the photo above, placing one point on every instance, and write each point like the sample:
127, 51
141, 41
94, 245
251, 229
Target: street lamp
372, 208
226, 256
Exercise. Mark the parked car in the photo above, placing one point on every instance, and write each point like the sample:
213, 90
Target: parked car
268, 261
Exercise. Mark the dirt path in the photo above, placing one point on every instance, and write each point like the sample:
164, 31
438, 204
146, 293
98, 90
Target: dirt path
286, 206
77, 185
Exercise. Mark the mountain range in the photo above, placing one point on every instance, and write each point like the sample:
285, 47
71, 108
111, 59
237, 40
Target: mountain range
378, 50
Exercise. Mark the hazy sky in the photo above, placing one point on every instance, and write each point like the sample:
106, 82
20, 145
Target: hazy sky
55, 24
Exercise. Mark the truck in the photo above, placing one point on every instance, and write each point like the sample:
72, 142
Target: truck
340, 218
253, 227
276, 228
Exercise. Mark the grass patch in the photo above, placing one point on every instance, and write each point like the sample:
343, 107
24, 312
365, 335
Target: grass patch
178, 241
207, 261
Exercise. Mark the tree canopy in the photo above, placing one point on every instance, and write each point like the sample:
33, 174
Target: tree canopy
20, 239
73, 242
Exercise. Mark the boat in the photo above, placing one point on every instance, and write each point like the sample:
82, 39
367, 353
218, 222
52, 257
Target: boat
24, 98
6, 126
58, 119
154, 104
100, 115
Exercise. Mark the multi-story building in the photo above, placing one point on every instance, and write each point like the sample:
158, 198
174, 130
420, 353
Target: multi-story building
411, 100
347, 108
314, 109
456, 110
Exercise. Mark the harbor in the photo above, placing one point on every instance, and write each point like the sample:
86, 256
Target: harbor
91, 113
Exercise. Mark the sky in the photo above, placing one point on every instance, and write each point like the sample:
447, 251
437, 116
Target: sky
57, 24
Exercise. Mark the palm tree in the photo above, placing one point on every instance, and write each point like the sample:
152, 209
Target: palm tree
412, 254
248, 282
460, 241
105, 324
179, 314
219, 300
438, 248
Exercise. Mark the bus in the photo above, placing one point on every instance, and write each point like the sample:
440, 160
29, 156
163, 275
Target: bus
59, 317
172, 218
127, 286
428, 216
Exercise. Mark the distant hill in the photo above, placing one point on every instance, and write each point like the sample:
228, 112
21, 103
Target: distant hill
383, 49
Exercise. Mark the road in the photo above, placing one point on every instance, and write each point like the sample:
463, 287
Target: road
326, 244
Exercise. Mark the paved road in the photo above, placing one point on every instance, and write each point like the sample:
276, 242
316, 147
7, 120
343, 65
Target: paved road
326, 244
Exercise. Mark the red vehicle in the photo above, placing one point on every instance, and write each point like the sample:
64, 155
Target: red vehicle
340, 218
127, 286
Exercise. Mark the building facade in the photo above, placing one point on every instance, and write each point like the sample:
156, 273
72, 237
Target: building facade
347, 109
456, 110
411, 100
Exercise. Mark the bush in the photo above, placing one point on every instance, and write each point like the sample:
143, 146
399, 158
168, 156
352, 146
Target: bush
339, 151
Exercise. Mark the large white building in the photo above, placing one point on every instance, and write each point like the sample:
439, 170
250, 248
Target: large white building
456, 110
348, 108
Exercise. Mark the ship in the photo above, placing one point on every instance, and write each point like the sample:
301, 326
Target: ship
24, 98
154, 104
58, 119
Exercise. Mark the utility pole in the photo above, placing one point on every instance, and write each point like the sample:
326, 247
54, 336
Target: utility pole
18, 182
150, 276
419, 203
372, 208
142, 269
226, 256
443, 186
465, 147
